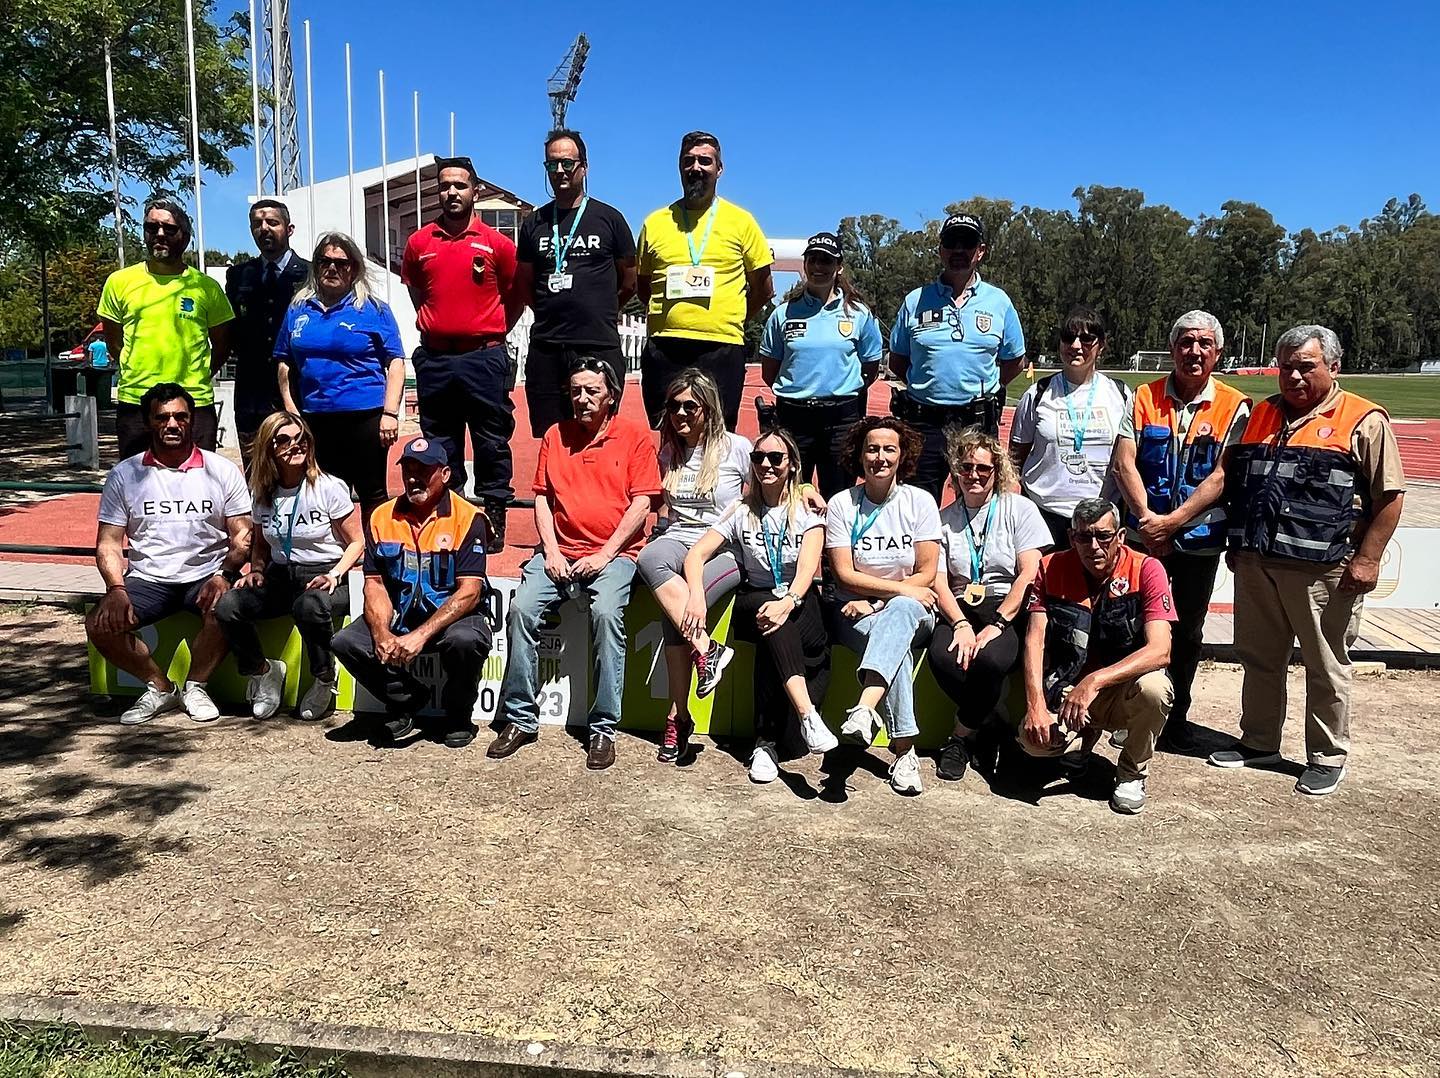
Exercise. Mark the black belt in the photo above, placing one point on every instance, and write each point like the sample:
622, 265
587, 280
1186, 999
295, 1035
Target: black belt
450, 346
976, 410
815, 404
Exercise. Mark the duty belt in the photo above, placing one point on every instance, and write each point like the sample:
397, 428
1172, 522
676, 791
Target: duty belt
818, 403
976, 410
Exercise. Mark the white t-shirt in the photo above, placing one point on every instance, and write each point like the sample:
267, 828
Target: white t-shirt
175, 517
691, 514
742, 532
1017, 525
887, 547
1055, 476
315, 510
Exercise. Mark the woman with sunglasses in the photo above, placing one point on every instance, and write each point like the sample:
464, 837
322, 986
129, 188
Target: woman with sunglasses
306, 538
702, 469
883, 538
779, 542
339, 358
1066, 424
990, 543
820, 351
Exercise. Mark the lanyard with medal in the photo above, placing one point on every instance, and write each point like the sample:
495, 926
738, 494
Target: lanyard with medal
1075, 463
560, 281
975, 590
775, 555
693, 281
288, 543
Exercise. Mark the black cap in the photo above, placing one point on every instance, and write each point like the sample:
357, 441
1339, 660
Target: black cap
428, 451
958, 222
824, 243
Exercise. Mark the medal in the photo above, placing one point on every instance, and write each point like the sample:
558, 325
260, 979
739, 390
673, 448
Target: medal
974, 594
780, 591
1075, 463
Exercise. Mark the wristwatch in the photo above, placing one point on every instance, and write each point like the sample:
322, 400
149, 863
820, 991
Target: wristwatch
1000, 621
231, 576
796, 599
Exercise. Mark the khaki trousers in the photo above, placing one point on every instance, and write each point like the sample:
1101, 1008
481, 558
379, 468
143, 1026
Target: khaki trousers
1275, 604
1140, 706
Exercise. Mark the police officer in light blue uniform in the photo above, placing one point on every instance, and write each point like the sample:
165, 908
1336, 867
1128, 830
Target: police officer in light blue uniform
820, 351
957, 342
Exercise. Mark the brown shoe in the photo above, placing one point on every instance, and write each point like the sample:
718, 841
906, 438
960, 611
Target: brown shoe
602, 752
509, 739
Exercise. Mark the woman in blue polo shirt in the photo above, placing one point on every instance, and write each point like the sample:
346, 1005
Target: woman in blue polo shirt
820, 351
338, 356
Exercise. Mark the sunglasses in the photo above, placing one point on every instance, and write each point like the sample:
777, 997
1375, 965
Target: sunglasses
675, 407
566, 165
1100, 538
1087, 339
690, 160
984, 471
182, 418
161, 228
285, 441
773, 457
335, 263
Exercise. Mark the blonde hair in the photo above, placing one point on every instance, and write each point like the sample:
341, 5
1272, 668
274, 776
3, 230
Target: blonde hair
361, 285
713, 446
961, 442
264, 475
790, 497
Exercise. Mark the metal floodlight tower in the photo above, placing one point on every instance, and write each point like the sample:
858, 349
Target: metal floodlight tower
566, 81
279, 135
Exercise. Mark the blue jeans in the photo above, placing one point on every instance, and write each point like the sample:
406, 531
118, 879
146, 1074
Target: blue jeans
537, 596
883, 642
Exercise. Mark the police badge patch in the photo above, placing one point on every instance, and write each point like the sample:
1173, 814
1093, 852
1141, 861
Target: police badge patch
983, 322
1119, 586
845, 326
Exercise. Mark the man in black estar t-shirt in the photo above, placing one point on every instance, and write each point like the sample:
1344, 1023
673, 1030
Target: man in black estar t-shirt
576, 270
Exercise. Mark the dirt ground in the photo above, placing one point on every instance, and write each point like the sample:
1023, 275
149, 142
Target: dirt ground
266, 869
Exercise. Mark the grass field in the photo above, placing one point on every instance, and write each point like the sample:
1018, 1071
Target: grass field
65, 1052
1404, 396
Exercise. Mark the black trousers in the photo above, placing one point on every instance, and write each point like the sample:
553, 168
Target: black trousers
799, 647
931, 422
348, 446
819, 432
284, 592
461, 648
133, 436
470, 390
1059, 526
547, 374
1192, 579
976, 691
665, 357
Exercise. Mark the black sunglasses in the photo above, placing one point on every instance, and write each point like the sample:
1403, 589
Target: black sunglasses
775, 457
1087, 339
335, 263
162, 227
562, 164
285, 441
1098, 537
675, 407
972, 468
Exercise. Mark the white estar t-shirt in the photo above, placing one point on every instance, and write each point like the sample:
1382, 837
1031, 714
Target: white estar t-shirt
1016, 525
743, 533
1055, 474
690, 513
305, 515
885, 547
175, 517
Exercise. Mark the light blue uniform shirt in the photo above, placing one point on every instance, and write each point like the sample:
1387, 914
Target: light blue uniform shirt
956, 349
820, 348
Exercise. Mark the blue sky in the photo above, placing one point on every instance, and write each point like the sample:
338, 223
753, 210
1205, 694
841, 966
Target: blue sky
1319, 112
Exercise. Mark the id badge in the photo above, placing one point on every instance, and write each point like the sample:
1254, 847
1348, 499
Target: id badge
1075, 463
689, 282
560, 282
974, 594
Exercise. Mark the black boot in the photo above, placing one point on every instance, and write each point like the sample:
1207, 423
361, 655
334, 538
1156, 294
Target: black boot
495, 515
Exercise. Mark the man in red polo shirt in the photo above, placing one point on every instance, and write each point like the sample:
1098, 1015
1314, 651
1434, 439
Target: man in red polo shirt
594, 486
461, 275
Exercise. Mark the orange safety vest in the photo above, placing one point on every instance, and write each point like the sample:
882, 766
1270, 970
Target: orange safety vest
1299, 493
1085, 630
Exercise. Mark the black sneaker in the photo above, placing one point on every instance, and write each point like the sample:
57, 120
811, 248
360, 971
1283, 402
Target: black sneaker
1240, 756
458, 737
495, 515
1179, 736
954, 760
398, 726
1318, 780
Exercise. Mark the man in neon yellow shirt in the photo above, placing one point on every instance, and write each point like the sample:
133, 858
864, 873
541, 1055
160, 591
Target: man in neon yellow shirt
703, 271
165, 322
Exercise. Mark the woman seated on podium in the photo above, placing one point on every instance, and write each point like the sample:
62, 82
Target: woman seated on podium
306, 538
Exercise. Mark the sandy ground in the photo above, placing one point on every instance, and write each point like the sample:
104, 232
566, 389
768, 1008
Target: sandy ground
1234, 928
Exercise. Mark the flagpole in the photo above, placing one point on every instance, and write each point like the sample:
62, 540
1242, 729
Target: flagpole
452, 134
417, 160
255, 100
114, 155
350, 139
384, 190
310, 138
195, 135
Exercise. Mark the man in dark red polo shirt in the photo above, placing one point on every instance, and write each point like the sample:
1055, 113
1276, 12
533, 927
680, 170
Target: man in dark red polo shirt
461, 275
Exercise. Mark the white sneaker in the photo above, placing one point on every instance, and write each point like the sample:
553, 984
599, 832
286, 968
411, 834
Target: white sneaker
152, 702
905, 774
764, 765
861, 724
818, 737
1119, 737
1129, 796
319, 700
267, 690
197, 703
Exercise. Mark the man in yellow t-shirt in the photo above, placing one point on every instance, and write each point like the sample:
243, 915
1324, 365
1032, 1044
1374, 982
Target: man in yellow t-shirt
703, 270
165, 322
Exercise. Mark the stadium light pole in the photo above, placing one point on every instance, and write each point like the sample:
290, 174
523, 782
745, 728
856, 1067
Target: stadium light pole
255, 102
195, 136
350, 139
114, 155
276, 87
310, 138
384, 190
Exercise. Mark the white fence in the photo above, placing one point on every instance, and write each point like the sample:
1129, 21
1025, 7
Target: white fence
632, 342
